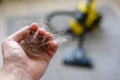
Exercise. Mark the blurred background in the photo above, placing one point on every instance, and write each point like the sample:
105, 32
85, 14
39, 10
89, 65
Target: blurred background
103, 47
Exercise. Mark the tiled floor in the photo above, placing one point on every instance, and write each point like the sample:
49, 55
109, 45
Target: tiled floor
103, 49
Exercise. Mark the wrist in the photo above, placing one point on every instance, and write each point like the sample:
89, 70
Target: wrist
15, 72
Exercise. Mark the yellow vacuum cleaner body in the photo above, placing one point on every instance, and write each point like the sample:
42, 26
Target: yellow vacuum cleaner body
87, 18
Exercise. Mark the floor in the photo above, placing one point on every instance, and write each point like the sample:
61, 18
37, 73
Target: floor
103, 47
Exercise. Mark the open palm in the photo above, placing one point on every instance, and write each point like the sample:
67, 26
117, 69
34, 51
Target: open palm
31, 49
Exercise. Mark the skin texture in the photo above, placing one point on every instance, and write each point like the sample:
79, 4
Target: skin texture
27, 53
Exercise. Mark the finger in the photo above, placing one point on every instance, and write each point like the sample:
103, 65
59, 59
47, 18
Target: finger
32, 31
45, 38
53, 45
33, 28
41, 32
48, 36
21, 34
40, 36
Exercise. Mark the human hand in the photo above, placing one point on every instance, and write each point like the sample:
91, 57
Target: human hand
28, 52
